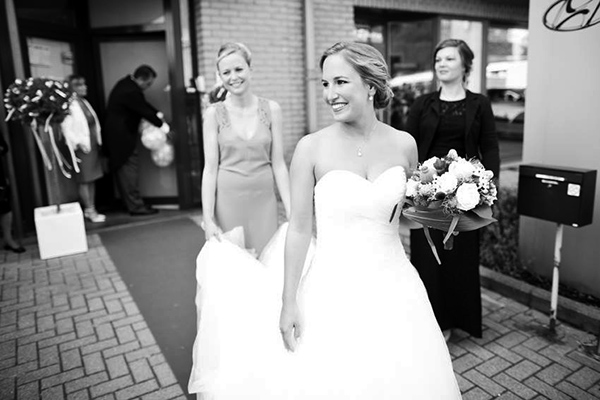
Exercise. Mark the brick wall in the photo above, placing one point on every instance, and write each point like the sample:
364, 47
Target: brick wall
273, 30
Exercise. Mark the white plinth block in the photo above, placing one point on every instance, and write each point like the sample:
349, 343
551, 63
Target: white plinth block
60, 234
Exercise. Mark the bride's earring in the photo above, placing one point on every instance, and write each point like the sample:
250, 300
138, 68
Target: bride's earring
370, 97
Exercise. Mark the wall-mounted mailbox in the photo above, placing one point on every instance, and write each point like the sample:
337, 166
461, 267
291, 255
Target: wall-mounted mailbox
559, 194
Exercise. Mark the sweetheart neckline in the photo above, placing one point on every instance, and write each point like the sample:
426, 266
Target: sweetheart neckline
374, 181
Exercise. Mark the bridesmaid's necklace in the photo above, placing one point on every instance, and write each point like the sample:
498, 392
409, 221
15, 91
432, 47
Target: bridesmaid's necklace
359, 151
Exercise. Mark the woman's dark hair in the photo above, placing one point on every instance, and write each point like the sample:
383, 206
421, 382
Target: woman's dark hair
465, 52
145, 72
370, 65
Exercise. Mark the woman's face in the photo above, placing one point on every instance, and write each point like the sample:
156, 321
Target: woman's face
448, 65
235, 73
344, 90
79, 87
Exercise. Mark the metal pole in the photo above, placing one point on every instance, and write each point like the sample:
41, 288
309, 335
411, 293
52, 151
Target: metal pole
555, 274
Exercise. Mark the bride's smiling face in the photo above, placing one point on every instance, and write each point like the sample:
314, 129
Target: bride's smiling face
344, 90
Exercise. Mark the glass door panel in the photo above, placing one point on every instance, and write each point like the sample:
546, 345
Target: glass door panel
472, 33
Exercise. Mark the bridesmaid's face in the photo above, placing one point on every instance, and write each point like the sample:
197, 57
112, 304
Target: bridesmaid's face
448, 65
344, 90
235, 73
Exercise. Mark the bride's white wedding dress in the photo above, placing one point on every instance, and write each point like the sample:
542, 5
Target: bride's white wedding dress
369, 330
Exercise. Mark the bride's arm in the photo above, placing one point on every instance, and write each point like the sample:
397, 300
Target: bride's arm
297, 239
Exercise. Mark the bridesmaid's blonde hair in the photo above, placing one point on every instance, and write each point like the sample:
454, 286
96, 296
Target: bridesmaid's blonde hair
231, 48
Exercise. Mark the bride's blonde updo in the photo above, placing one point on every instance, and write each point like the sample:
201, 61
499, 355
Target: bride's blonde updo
368, 62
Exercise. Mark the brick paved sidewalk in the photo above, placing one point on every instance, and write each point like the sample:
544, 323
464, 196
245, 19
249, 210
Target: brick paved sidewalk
69, 329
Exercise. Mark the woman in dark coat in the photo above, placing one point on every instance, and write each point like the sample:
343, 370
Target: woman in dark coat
6, 216
453, 118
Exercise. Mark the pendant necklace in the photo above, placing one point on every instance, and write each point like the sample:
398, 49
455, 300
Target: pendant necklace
359, 152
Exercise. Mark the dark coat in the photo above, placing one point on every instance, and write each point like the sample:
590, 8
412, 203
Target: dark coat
126, 107
453, 287
481, 140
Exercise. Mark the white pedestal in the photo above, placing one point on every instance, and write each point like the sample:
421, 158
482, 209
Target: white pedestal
60, 234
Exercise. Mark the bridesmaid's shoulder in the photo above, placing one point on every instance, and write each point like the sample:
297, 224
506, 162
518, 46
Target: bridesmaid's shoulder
273, 105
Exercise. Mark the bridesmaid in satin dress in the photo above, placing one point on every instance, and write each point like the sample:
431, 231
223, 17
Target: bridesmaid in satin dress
243, 152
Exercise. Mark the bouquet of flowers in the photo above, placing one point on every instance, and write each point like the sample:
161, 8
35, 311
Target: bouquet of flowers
451, 194
40, 102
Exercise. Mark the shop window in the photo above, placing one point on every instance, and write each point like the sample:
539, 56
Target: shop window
410, 49
506, 78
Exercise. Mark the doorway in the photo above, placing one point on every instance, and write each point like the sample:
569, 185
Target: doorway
119, 57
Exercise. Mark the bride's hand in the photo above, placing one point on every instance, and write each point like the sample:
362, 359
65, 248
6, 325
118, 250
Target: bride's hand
290, 325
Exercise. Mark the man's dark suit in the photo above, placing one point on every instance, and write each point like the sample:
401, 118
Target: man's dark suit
126, 107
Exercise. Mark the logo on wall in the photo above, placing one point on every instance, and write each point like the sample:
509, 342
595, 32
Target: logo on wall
571, 15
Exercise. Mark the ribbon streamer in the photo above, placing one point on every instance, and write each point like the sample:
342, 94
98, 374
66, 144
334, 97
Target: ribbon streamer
62, 162
38, 140
448, 245
433, 249
10, 113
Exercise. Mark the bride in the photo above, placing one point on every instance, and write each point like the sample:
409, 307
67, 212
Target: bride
354, 316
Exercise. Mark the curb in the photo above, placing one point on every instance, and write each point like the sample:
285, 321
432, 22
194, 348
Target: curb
579, 315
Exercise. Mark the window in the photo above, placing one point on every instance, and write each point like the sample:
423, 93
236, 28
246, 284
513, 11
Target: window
506, 76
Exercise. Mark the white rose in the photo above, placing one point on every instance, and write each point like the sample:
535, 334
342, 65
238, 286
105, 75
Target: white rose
429, 163
411, 188
467, 196
462, 169
446, 183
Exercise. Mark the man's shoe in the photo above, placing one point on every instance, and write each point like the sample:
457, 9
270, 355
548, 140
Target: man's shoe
19, 249
144, 211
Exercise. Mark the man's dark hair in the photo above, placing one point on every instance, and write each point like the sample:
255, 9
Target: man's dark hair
73, 77
145, 72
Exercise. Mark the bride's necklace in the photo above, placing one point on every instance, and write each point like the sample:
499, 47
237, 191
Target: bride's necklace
359, 151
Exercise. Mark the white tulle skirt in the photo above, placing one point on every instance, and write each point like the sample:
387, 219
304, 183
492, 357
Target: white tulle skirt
365, 337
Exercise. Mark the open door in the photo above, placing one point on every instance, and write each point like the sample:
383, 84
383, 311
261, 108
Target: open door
121, 56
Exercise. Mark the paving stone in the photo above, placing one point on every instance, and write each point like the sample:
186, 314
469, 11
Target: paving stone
142, 353
141, 370
8, 349
523, 370
145, 337
165, 393
584, 359
554, 354
493, 366
476, 394
99, 346
475, 349
85, 382
71, 359
93, 363
117, 366
483, 382
28, 391
78, 343
53, 393
60, 378
110, 387
532, 355
553, 374
137, 390
7, 388
80, 395
511, 339
105, 331
545, 389
26, 353
164, 374
121, 349
584, 378
575, 392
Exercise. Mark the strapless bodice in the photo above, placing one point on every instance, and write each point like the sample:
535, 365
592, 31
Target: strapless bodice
351, 210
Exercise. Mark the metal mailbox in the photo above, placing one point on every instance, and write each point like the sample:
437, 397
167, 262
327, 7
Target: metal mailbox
559, 194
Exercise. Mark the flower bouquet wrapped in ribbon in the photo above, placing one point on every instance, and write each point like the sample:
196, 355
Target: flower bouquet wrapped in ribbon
451, 194
39, 103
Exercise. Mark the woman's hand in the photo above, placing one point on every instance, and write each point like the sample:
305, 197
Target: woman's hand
212, 230
290, 325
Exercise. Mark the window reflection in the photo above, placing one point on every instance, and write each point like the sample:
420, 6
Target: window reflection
506, 76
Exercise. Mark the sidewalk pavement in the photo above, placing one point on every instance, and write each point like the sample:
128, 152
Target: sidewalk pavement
69, 329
